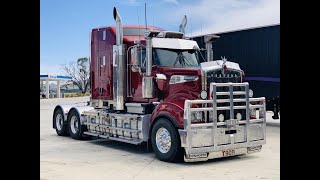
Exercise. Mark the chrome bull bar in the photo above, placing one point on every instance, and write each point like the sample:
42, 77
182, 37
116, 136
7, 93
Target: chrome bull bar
208, 140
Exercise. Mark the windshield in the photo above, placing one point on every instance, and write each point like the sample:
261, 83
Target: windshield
176, 57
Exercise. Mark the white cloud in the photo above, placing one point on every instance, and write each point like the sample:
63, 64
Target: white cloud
130, 2
51, 69
210, 16
172, 1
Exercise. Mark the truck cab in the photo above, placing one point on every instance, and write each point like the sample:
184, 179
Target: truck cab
151, 85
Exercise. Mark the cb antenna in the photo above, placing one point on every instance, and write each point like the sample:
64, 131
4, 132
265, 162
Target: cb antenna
138, 22
145, 13
191, 27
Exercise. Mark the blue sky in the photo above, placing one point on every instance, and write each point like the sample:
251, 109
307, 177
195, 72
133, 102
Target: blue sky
65, 25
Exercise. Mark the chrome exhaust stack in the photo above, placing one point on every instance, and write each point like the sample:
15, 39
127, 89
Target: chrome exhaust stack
147, 80
119, 65
119, 29
208, 39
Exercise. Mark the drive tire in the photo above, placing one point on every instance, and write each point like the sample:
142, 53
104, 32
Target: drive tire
60, 128
175, 152
75, 128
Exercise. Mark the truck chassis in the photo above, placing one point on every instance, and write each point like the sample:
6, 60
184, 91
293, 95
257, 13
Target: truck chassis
200, 141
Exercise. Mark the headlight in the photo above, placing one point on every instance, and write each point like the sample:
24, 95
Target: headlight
239, 116
197, 116
181, 79
221, 117
203, 94
250, 93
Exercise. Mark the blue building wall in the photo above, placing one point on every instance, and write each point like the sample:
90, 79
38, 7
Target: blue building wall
258, 53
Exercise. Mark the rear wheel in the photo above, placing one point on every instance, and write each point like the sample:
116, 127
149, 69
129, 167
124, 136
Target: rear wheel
75, 128
166, 141
60, 124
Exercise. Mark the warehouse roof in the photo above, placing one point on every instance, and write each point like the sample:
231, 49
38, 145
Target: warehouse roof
250, 28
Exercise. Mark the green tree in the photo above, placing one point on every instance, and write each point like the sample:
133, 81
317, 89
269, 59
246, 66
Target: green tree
80, 72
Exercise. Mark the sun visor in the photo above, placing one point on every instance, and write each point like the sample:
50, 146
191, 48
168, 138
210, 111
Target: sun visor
169, 43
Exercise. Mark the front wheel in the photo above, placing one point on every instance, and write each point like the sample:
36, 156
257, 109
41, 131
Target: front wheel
165, 141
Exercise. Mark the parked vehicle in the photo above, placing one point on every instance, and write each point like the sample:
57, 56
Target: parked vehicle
148, 86
257, 50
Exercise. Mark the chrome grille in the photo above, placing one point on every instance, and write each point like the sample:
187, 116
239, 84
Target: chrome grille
217, 76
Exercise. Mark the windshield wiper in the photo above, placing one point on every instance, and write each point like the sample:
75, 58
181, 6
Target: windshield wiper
182, 60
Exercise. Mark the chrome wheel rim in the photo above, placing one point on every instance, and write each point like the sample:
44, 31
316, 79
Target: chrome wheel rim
163, 140
74, 124
59, 122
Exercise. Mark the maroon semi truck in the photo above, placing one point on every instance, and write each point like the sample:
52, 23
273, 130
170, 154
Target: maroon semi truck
148, 85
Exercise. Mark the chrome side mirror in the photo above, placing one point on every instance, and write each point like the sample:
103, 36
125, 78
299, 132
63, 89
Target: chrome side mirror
138, 58
135, 60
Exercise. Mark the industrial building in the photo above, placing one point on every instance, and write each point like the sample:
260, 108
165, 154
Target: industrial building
49, 78
257, 50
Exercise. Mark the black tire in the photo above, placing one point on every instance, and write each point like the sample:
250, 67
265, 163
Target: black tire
61, 130
76, 133
175, 153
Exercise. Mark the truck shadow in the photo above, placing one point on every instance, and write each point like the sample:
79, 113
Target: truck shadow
219, 160
143, 150
130, 148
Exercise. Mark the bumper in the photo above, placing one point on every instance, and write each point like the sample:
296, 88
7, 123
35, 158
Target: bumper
231, 137
202, 145
220, 154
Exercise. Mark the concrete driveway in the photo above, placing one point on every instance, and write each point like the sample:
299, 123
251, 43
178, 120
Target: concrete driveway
65, 158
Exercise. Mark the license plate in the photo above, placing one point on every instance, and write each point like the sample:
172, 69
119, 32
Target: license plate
230, 152
203, 155
232, 122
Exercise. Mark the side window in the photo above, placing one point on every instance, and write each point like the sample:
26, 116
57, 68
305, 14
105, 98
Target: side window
104, 35
142, 57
